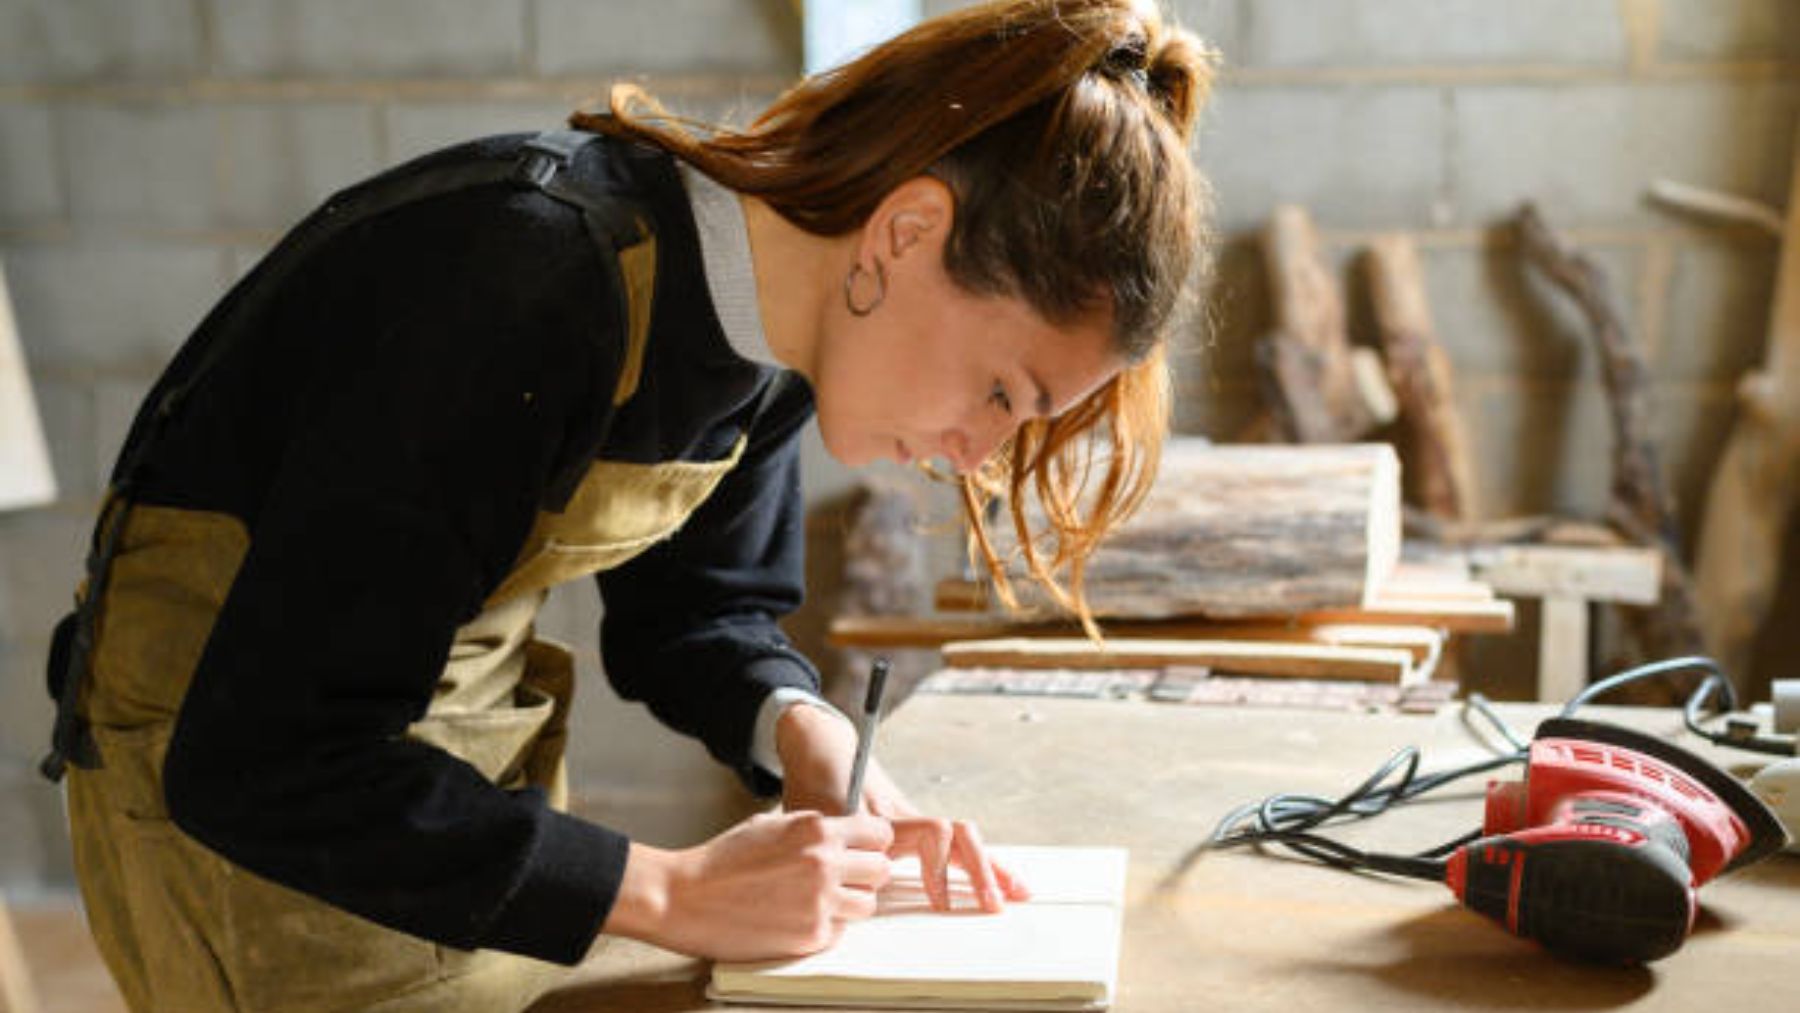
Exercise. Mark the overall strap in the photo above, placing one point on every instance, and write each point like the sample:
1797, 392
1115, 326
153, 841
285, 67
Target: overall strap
544, 163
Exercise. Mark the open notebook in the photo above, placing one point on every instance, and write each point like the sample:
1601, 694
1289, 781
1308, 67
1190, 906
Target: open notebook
1057, 951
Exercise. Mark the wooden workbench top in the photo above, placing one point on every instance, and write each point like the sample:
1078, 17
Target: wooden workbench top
1237, 931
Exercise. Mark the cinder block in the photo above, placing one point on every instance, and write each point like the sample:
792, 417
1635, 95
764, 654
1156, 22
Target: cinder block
416, 128
66, 408
1383, 33
34, 852
1587, 153
1692, 426
116, 403
66, 40
41, 553
1705, 30
1719, 302
30, 188
143, 165
121, 304
1540, 448
1361, 156
680, 36
1495, 314
354, 38
281, 161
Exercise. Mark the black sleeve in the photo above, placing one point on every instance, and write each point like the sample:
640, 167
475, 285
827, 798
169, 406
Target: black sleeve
410, 482
689, 626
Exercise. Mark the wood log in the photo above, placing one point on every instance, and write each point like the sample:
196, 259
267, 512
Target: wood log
1251, 530
1639, 501
1756, 487
1317, 387
1301, 661
1439, 467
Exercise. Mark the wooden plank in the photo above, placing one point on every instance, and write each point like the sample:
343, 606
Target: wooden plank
1307, 661
1563, 649
26, 479
16, 992
890, 632
1494, 616
1631, 576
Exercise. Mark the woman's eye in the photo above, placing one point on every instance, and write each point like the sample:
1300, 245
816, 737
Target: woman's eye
998, 396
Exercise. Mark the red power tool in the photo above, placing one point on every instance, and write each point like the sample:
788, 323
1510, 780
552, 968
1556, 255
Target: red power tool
1598, 852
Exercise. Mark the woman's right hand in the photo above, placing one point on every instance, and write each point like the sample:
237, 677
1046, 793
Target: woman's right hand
776, 885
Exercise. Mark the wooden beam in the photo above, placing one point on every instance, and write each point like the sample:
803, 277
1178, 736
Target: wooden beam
1563, 648
16, 992
1631, 576
1306, 661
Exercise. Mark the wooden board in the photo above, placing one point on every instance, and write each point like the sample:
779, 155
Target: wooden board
1240, 657
887, 632
1630, 576
25, 476
1251, 530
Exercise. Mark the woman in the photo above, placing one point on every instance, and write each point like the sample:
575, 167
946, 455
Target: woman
317, 753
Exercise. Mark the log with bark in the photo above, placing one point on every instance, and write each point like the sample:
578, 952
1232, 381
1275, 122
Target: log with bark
1252, 530
1639, 504
1317, 387
1439, 469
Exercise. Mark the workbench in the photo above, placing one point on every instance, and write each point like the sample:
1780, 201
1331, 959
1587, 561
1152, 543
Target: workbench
1242, 932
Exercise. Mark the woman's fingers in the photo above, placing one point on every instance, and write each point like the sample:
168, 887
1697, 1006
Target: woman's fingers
1014, 887
930, 839
968, 853
866, 870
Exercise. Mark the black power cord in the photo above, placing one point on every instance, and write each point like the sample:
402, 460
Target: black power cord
1290, 820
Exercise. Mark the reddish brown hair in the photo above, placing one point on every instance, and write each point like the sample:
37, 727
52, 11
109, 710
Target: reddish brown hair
1061, 127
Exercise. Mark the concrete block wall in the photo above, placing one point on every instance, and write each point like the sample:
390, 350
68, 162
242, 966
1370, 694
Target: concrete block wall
151, 150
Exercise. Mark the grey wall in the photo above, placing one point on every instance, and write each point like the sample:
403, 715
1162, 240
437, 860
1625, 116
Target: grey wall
150, 150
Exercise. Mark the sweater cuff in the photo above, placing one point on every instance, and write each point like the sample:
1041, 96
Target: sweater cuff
570, 884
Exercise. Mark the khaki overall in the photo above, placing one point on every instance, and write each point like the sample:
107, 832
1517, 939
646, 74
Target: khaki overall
183, 929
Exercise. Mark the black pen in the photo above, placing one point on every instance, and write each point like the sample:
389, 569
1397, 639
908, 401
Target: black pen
866, 734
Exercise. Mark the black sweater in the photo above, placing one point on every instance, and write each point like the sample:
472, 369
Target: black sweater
387, 427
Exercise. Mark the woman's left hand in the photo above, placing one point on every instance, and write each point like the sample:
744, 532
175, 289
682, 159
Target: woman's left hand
818, 749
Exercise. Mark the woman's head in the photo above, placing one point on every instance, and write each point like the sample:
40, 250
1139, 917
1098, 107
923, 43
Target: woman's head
1020, 220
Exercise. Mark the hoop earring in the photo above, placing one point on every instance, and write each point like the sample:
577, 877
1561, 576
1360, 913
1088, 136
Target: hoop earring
856, 271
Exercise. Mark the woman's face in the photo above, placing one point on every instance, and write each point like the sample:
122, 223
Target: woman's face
933, 371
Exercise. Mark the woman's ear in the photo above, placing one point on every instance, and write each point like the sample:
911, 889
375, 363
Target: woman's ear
916, 215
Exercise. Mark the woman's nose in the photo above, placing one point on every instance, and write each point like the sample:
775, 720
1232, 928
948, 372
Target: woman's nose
967, 451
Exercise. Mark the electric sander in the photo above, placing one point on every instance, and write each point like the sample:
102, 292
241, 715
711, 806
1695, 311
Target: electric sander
1599, 851
1596, 854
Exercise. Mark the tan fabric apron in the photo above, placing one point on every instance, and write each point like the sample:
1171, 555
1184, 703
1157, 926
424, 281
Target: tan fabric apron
183, 929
